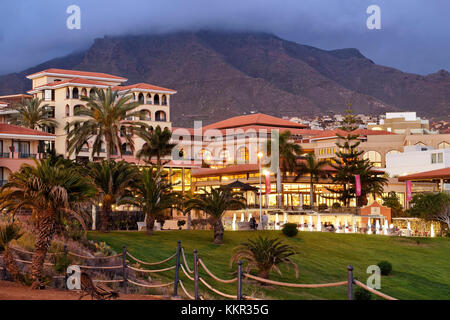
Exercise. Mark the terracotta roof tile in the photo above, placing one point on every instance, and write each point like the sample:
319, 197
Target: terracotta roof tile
144, 86
255, 119
78, 73
6, 128
428, 175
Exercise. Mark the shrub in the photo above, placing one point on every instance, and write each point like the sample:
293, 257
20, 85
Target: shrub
362, 294
336, 205
181, 223
290, 229
62, 262
323, 206
385, 267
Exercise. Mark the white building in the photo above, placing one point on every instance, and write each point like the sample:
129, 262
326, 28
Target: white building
416, 159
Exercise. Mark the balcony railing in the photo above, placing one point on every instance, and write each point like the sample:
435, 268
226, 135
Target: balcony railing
26, 155
4, 155
127, 153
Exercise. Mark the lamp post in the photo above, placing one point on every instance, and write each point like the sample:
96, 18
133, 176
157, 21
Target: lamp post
260, 155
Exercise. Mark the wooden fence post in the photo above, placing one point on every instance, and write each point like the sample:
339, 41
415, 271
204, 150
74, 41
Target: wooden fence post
177, 270
350, 282
196, 274
124, 268
239, 281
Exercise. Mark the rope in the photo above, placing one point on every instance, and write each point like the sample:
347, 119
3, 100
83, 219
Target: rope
187, 274
185, 261
213, 276
29, 262
151, 263
87, 257
107, 281
297, 285
185, 291
250, 298
145, 270
94, 267
151, 286
376, 292
217, 291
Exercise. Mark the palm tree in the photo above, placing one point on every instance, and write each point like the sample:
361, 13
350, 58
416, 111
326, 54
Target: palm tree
153, 193
156, 144
31, 114
214, 203
184, 205
288, 153
50, 190
113, 181
105, 113
264, 255
8, 233
315, 169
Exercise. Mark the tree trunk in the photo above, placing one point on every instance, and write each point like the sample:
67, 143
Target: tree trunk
108, 148
104, 217
45, 230
150, 223
189, 219
218, 232
11, 266
311, 193
263, 274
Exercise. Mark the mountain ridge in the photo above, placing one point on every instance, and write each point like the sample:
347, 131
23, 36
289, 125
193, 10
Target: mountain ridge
224, 74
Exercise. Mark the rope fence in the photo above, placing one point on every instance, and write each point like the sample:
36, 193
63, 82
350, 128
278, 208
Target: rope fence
193, 275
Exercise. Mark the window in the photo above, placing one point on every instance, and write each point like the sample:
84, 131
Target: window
164, 100
48, 95
67, 93
92, 93
243, 155
145, 115
160, 116
437, 157
156, 99
149, 98
75, 94
84, 92
444, 145
141, 98
67, 110
77, 109
374, 157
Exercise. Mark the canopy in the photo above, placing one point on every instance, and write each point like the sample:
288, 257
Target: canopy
239, 185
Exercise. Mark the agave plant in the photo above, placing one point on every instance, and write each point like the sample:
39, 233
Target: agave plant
8, 233
264, 255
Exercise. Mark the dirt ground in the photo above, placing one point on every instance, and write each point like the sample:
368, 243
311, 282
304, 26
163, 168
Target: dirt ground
14, 291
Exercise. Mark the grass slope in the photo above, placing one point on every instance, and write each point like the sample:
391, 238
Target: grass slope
421, 266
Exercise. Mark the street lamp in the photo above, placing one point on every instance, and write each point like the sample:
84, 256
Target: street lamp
260, 155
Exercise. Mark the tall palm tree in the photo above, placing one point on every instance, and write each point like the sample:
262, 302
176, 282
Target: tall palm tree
8, 233
50, 190
32, 114
214, 203
104, 114
156, 144
264, 255
315, 169
113, 181
153, 193
288, 152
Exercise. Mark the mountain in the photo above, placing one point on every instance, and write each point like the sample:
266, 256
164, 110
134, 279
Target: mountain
222, 74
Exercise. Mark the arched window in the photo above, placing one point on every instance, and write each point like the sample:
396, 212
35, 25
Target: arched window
75, 94
156, 99
444, 145
160, 116
126, 149
134, 97
67, 93
145, 115
141, 98
77, 109
374, 157
67, 110
84, 92
164, 100
420, 143
92, 93
149, 98
242, 155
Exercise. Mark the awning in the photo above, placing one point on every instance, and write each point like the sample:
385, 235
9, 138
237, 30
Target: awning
239, 185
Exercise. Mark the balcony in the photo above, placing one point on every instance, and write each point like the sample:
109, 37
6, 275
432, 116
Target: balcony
27, 155
127, 153
4, 155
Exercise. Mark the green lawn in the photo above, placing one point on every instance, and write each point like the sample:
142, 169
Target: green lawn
421, 266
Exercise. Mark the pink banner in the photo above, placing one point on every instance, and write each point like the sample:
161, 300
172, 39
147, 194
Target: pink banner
268, 183
358, 184
408, 191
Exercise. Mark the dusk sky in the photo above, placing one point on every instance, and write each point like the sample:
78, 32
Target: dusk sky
414, 34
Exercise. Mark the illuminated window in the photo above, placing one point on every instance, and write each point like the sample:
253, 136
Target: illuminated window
243, 155
374, 157
444, 145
